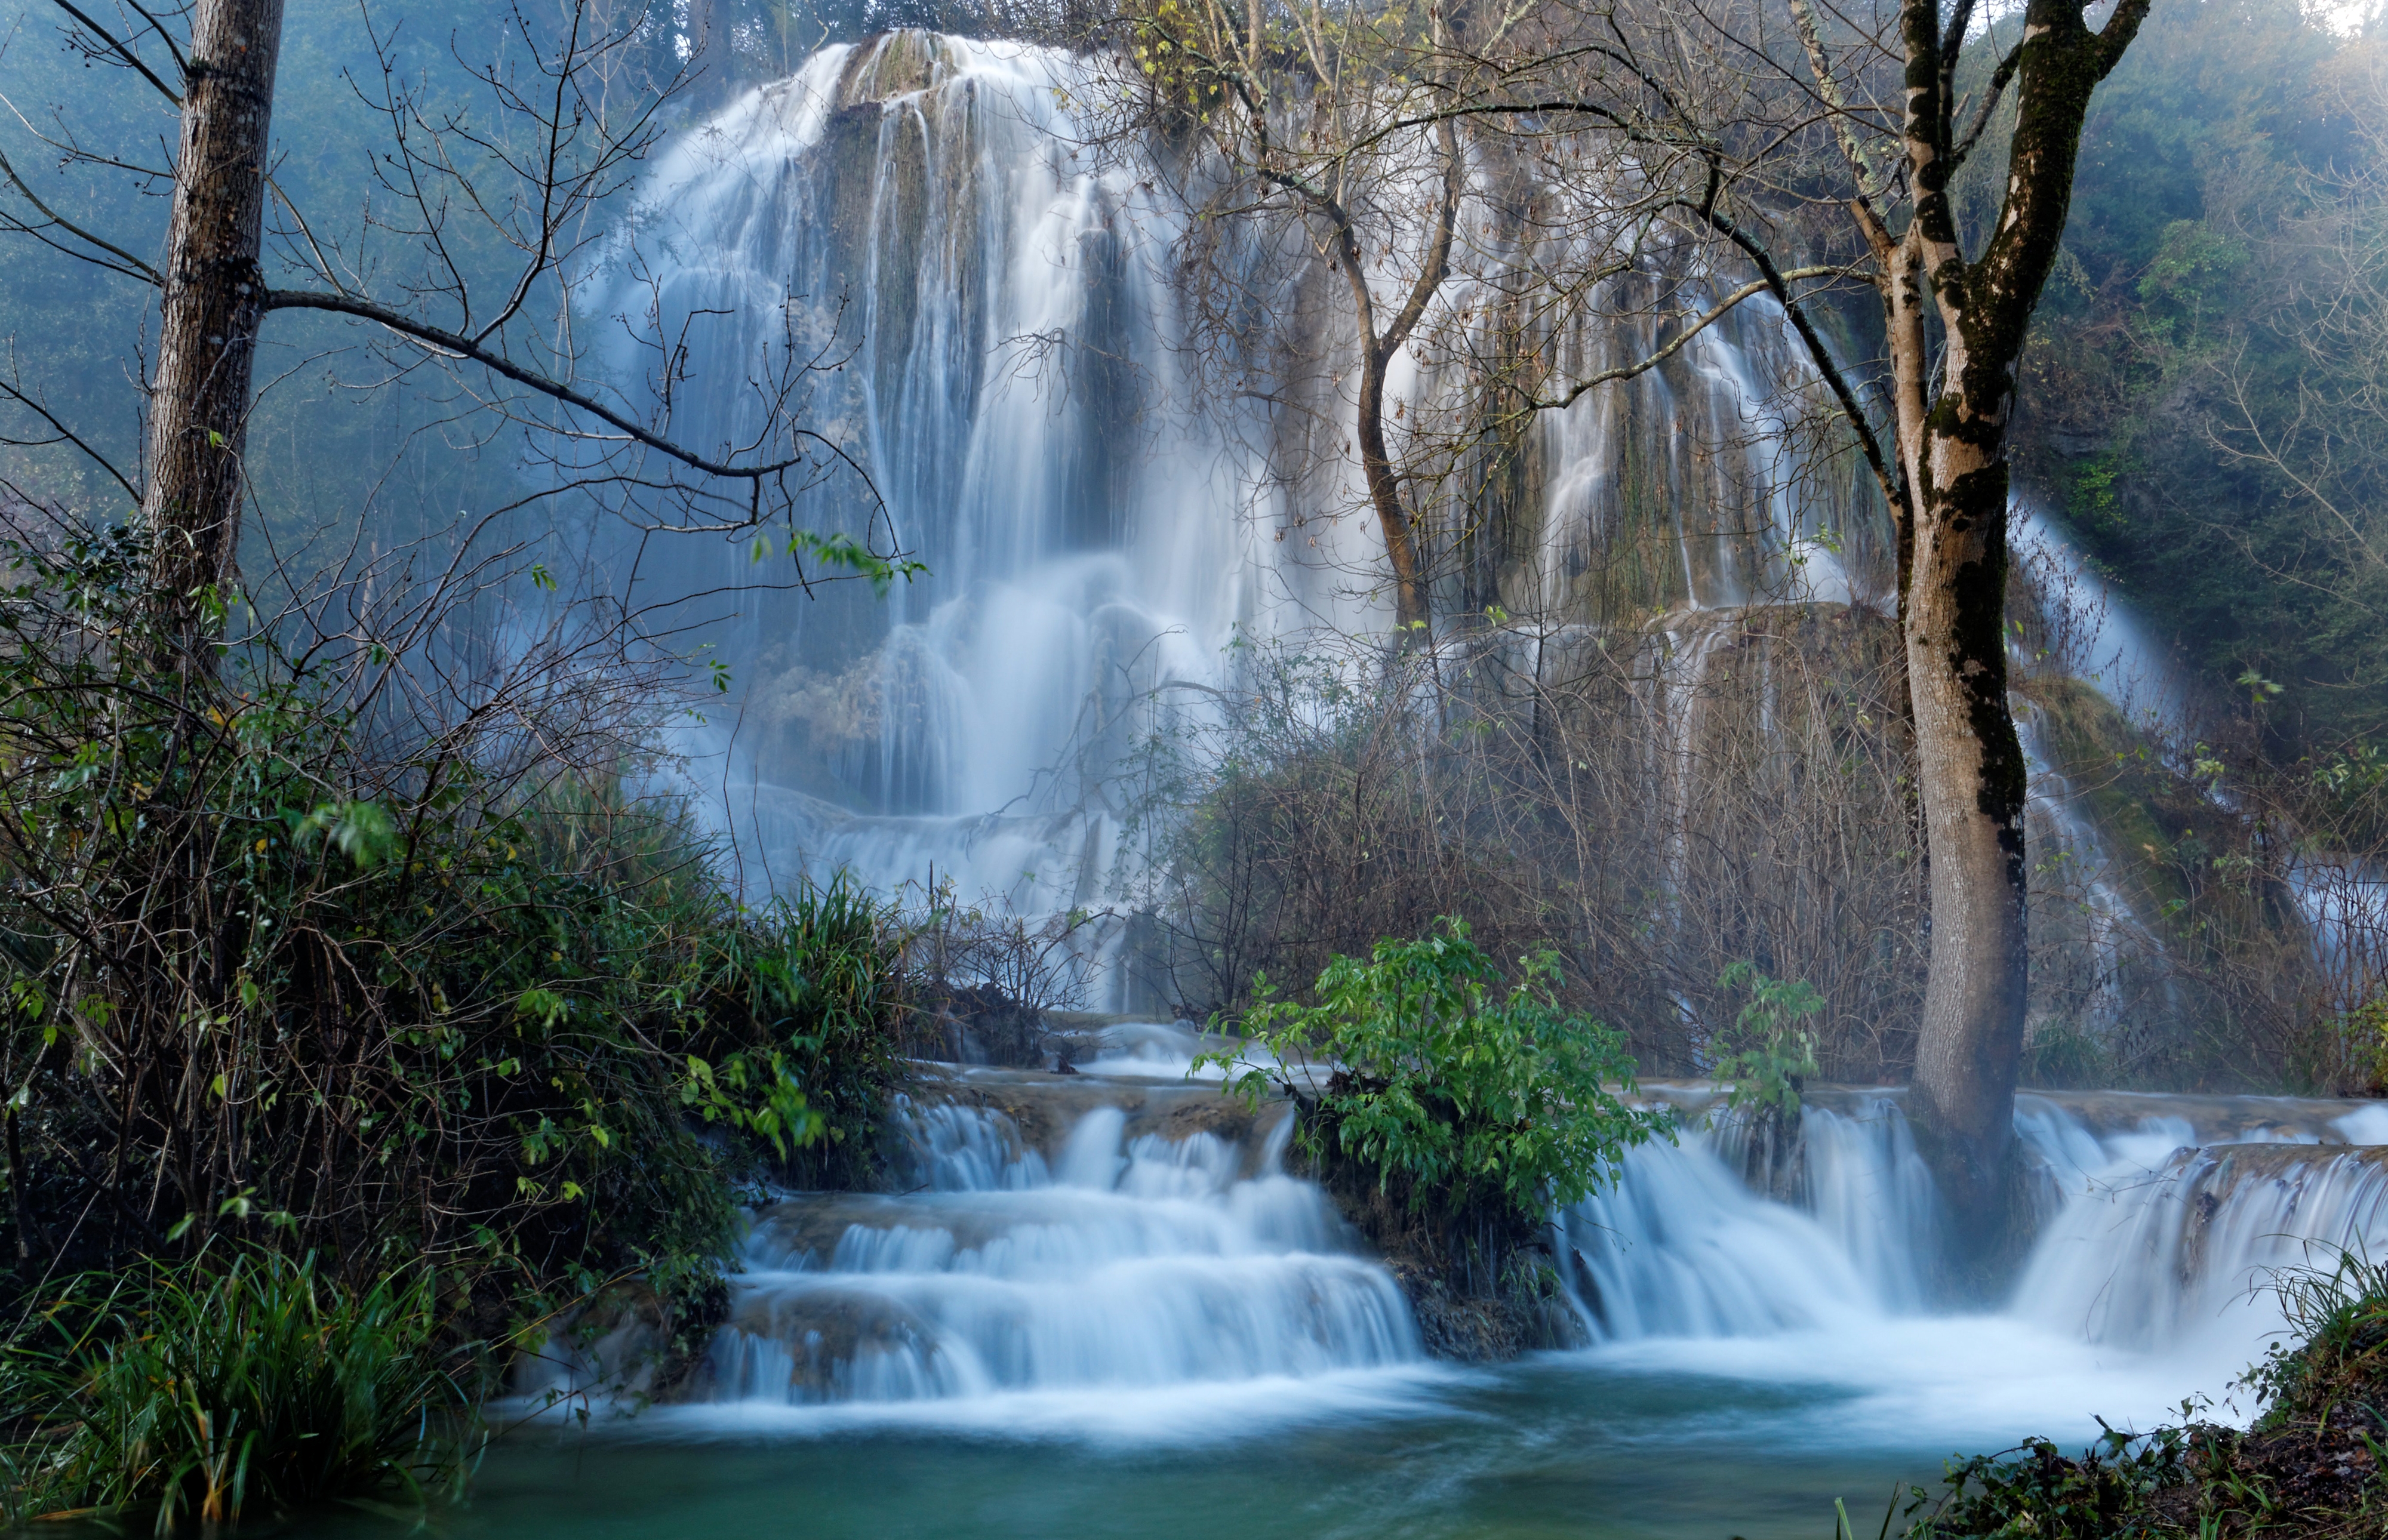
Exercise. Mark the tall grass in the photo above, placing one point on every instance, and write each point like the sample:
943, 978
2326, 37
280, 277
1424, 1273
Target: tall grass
2331, 1366
234, 1383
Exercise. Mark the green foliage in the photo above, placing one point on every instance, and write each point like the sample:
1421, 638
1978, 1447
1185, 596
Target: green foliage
279, 968
840, 552
236, 1382
1769, 1054
2035, 1492
2366, 1031
1448, 1085
2336, 1372
2200, 390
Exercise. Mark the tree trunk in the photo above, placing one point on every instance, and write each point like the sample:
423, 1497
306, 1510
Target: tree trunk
1412, 608
1953, 550
1412, 604
1970, 770
208, 316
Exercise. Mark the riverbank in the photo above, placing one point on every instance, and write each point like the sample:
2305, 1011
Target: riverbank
2308, 1463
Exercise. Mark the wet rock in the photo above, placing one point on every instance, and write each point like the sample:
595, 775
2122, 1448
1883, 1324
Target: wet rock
1489, 1328
623, 1344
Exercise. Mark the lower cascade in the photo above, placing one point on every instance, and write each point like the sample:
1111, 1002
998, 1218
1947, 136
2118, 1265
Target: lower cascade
1123, 1260
1134, 1230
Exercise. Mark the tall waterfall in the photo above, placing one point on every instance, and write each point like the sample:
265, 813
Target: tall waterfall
926, 212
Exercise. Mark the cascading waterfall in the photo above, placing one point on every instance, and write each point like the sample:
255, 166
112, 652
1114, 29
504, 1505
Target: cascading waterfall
1061, 1246
1121, 1262
922, 209
1014, 378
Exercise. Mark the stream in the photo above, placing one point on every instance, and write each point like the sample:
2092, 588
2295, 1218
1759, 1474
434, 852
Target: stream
1100, 1305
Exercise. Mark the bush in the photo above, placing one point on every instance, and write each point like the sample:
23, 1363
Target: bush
233, 1383
1769, 1054
2036, 1493
1441, 1084
286, 962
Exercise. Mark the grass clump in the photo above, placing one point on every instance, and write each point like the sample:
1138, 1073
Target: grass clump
243, 1382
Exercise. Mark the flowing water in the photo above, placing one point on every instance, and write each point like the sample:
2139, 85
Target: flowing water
1103, 513
1100, 1305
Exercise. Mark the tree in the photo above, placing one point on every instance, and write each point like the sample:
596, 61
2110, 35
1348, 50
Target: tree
503, 211
1955, 323
1892, 86
1331, 118
211, 301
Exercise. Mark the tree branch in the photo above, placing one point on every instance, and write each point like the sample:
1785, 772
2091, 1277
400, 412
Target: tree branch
124, 50
1818, 353
125, 263
1722, 308
441, 340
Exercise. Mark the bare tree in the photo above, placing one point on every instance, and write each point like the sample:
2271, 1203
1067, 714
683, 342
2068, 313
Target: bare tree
1327, 118
506, 209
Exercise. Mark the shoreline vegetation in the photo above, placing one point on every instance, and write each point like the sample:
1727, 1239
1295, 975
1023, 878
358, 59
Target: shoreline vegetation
2309, 1464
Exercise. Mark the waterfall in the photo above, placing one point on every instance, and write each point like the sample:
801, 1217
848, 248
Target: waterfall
1115, 1262
1011, 370
1108, 1252
1014, 375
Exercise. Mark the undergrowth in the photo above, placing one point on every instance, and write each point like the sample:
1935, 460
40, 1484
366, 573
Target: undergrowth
2310, 1465
243, 1382
287, 959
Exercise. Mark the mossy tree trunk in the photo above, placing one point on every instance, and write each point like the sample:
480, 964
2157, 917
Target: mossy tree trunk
1951, 426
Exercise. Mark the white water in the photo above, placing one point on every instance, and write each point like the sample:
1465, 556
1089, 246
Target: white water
1110, 1266
1014, 376
1126, 1285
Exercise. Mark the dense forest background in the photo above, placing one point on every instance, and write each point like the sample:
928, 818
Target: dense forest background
2204, 405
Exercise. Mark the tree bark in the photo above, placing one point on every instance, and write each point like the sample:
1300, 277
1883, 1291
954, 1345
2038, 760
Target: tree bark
1413, 603
209, 315
1970, 769
1954, 549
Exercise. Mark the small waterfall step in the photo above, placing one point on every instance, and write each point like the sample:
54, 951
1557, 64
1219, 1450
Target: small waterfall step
1063, 1233
1035, 1111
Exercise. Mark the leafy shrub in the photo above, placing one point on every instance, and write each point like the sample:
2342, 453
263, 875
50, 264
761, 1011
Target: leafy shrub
218, 1387
1769, 1054
1441, 1082
2036, 1493
285, 960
